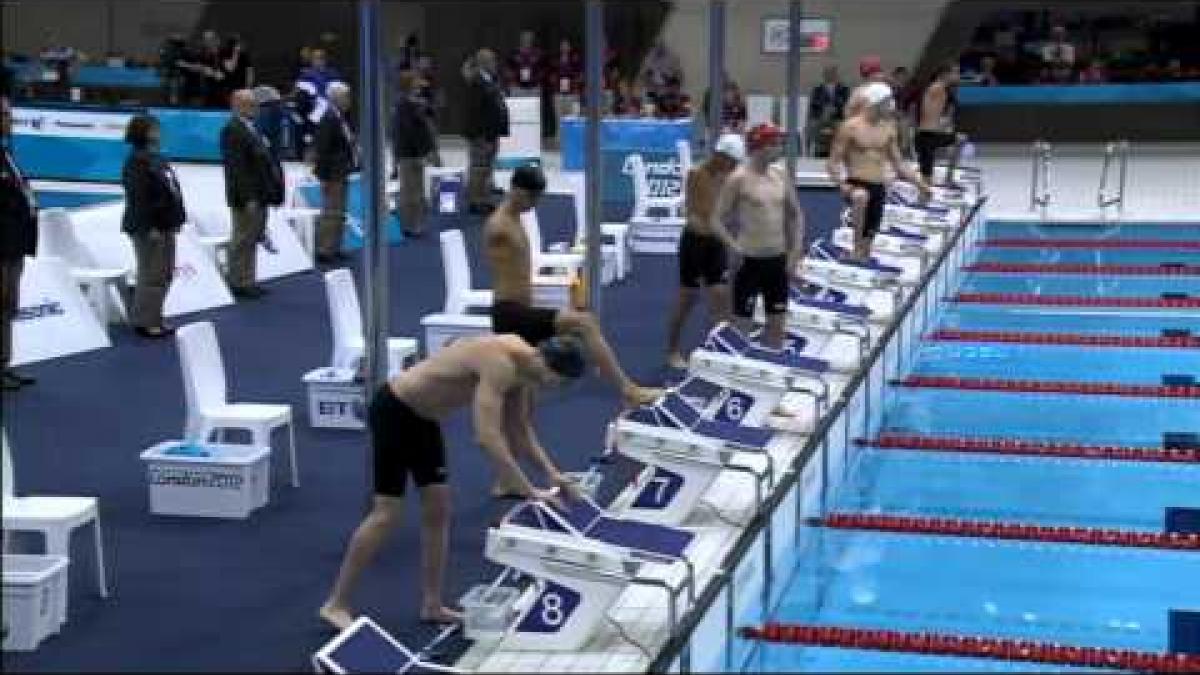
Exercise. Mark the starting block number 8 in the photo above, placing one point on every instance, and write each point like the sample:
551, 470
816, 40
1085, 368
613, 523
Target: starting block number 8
735, 406
551, 610
552, 614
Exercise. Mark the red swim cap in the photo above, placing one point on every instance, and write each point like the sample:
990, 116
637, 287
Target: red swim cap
870, 65
763, 135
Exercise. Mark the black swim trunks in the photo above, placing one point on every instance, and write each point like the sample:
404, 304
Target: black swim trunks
403, 443
876, 198
927, 144
702, 261
533, 324
761, 276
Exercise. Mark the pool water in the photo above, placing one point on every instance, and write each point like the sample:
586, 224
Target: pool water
1089, 596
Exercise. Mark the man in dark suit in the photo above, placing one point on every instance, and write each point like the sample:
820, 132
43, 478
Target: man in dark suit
253, 181
18, 238
412, 142
487, 121
826, 107
336, 158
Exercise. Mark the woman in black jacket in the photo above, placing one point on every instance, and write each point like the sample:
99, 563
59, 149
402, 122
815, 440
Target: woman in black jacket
153, 216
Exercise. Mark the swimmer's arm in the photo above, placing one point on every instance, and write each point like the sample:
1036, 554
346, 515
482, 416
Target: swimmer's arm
837, 155
902, 168
693, 205
518, 416
726, 202
494, 381
793, 218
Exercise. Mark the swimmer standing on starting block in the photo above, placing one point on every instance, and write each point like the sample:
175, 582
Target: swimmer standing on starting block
865, 144
936, 124
493, 375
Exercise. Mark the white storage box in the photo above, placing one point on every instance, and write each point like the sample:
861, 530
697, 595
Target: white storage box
335, 399
487, 611
656, 235
214, 480
35, 598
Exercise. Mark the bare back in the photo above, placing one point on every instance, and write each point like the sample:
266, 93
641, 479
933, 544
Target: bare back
703, 188
933, 108
508, 256
448, 380
868, 148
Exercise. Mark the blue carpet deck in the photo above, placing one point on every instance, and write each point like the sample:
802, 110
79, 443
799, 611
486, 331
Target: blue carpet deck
210, 595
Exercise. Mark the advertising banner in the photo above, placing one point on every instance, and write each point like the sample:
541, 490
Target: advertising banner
53, 318
654, 140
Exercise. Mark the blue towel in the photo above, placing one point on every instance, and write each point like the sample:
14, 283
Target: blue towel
187, 450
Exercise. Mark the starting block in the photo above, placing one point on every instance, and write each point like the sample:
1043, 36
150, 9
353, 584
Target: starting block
910, 266
441, 329
929, 217
871, 284
825, 326
582, 559
364, 647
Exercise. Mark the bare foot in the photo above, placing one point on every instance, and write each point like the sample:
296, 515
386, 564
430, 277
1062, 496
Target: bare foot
675, 360
441, 615
635, 395
502, 491
338, 617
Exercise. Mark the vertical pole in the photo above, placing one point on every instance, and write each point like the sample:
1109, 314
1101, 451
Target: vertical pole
716, 69
795, 11
594, 44
375, 246
111, 28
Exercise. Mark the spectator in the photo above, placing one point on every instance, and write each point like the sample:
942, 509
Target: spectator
672, 103
431, 96
211, 70
660, 67
199, 65
253, 182
526, 68
486, 122
1095, 73
319, 73
987, 72
270, 119
733, 108
409, 53
236, 68
336, 157
826, 108
1059, 55
18, 238
627, 102
412, 143
153, 215
567, 79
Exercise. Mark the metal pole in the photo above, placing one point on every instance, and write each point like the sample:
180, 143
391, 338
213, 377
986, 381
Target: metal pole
795, 11
716, 69
375, 245
594, 61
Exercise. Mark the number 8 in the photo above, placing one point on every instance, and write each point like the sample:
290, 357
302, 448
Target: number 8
734, 408
552, 614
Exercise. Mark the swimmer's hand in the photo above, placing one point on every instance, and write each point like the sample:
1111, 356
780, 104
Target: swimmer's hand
567, 485
550, 496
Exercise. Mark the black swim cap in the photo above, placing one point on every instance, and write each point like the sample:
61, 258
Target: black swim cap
529, 178
564, 356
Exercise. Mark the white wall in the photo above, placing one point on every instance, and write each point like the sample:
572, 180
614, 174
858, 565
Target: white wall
896, 30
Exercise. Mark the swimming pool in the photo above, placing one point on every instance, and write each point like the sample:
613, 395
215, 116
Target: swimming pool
981, 587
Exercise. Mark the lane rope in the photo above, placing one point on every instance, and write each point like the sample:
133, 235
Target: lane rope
1071, 268
1078, 339
1051, 386
1017, 446
943, 644
1022, 242
1077, 300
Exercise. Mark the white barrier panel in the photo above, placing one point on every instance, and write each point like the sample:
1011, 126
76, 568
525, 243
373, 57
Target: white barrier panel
524, 140
53, 318
197, 285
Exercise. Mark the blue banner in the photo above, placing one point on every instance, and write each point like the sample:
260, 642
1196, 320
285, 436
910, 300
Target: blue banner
1083, 94
654, 140
191, 135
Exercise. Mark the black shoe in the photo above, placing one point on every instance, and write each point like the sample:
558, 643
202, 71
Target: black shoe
481, 209
248, 293
414, 234
9, 382
325, 260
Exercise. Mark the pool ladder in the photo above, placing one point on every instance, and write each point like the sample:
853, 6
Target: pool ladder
1117, 151
1039, 182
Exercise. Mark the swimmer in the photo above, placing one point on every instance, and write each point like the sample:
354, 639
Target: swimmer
935, 128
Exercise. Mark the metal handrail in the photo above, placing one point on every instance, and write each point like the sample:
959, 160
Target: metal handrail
1039, 182
1118, 150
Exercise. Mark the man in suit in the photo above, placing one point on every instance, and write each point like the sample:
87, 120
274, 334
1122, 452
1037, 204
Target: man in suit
336, 158
253, 181
826, 106
18, 238
487, 121
412, 142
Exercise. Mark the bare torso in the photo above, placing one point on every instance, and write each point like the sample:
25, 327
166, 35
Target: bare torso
760, 209
447, 380
508, 255
867, 148
933, 108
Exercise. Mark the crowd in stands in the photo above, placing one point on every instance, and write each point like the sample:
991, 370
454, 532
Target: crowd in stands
1033, 49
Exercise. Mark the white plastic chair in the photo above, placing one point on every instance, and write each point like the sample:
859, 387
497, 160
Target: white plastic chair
618, 231
457, 272
205, 390
643, 201
101, 285
345, 314
54, 517
213, 228
558, 262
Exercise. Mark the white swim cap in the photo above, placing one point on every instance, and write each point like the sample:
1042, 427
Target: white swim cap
732, 146
876, 93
